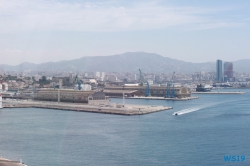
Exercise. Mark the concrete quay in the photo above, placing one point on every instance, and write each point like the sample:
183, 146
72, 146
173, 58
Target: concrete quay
112, 108
219, 92
162, 98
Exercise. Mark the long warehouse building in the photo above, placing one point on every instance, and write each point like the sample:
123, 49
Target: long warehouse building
69, 95
157, 91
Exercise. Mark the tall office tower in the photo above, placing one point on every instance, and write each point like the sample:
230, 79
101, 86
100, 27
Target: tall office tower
219, 77
228, 71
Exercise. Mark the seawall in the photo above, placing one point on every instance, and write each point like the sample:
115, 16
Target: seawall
110, 108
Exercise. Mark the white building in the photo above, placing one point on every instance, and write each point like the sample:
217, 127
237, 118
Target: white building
86, 87
97, 74
1, 105
5, 87
102, 74
37, 77
111, 78
92, 81
150, 82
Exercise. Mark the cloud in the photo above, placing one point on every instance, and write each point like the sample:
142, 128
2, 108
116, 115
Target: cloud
29, 15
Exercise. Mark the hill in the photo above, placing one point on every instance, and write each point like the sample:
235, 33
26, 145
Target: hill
126, 62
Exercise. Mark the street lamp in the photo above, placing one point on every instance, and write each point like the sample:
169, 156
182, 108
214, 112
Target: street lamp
58, 95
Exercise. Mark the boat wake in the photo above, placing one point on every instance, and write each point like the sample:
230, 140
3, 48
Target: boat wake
189, 110
185, 111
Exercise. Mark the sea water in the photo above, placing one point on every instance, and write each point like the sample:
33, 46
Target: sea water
214, 126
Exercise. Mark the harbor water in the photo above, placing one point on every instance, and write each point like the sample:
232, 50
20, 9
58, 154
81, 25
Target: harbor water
207, 130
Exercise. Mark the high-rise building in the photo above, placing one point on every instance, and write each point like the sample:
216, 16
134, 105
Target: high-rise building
228, 71
219, 77
97, 74
103, 74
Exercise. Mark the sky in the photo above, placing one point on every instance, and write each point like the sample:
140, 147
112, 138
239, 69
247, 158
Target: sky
40, 31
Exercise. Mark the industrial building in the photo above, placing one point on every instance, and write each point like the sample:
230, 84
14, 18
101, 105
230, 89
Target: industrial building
157, 91
69, 95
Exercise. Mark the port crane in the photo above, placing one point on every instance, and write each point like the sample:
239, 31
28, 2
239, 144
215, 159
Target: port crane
54, 85
147, 91
141, 78
147, 94
168, 90
79, 82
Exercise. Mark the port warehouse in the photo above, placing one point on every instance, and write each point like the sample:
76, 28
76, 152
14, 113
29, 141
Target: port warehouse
80, 96
157, 91
69, 95
119, 93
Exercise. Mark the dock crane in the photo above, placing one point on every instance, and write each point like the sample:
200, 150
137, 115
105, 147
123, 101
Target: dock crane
79, 82
141, 78
168, 90
147, 94
54, 85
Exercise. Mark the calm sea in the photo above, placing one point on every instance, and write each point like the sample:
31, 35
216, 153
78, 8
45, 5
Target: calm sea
218, 127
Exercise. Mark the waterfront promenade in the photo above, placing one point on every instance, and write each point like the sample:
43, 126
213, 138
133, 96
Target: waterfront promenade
111, 108
218, 92
163, 98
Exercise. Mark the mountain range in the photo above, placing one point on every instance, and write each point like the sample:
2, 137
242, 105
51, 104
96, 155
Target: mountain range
126, 62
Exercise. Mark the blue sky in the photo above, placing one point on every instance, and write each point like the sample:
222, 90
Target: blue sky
190, 30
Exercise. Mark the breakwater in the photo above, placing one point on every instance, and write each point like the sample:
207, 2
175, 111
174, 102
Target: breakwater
233, 92
7, 162
111, 108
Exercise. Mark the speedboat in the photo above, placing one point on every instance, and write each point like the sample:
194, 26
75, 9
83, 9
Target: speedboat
175, 113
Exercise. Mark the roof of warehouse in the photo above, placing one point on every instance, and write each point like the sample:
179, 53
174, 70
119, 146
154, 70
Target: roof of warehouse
119, 91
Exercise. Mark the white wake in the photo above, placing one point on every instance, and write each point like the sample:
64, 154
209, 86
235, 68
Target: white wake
185, 111
189, 110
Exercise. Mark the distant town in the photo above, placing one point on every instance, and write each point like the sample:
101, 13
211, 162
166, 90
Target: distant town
27, 83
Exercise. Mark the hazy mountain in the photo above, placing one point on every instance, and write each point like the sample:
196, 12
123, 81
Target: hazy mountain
242, 66
130, 61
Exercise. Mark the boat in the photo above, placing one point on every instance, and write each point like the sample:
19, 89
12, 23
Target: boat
224, 85
191, 87
203, 88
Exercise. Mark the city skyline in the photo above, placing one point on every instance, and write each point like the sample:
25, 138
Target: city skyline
193, 31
